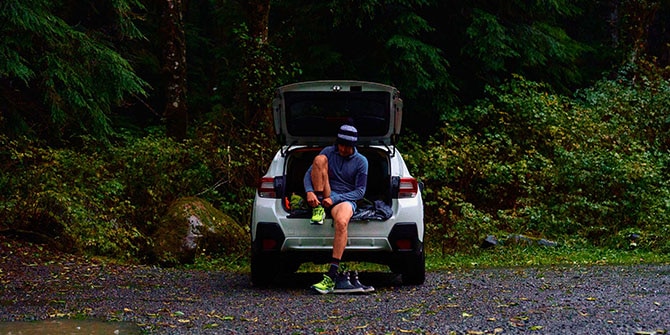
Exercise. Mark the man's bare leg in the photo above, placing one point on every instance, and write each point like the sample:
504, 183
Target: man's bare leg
341, 213
320, 180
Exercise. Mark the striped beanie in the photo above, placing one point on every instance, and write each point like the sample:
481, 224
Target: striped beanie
347, 135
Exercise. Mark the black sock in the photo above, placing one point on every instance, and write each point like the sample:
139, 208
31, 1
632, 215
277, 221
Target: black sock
334, 266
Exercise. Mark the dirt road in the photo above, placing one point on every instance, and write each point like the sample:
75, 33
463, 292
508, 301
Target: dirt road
37, 285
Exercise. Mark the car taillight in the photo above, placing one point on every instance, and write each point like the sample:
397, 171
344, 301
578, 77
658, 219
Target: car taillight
266, 189
408, 188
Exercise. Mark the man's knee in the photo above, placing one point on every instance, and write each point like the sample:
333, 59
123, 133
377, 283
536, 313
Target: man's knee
342, 213
341, 225
320, 161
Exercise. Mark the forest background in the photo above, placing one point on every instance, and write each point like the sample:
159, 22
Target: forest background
548, 118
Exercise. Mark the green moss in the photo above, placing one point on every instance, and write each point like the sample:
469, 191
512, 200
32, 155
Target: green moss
194, 226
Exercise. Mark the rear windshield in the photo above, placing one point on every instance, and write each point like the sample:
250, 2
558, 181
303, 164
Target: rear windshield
321, 113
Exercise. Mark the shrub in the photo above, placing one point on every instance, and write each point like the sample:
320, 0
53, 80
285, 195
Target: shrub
526, 160
106, 200
67, 198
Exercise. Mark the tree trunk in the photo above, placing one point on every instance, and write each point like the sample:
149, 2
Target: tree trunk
632, 21
257, 80
174, 69
614, 23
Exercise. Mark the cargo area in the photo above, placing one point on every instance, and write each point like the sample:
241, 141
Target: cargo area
379, 179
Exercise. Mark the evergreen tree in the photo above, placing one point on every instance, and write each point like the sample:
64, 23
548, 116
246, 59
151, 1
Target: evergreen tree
383, 41
492, 40
60, 74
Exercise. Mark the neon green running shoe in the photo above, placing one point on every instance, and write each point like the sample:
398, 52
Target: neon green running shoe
325, 286
318, 214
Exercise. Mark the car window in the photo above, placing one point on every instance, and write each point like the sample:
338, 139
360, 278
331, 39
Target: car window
321, 113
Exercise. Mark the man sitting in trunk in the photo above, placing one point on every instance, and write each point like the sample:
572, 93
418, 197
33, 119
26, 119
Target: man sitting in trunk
335, 181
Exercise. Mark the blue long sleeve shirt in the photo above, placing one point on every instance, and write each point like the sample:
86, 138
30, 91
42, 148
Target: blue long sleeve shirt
348, 176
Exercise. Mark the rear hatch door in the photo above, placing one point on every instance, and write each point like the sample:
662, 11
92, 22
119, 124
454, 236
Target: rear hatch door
310, 113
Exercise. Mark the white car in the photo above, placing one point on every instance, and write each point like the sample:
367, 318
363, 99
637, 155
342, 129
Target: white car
387, 227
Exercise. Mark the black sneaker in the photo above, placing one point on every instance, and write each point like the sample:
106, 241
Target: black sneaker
343, 285
353, 278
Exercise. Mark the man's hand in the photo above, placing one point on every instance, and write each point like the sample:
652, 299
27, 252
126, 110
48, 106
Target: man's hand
327, 202
312, 200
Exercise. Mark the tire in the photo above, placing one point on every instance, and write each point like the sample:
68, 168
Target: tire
263, 269
414, 271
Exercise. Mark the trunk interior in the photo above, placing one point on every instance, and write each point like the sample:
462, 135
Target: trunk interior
379, 179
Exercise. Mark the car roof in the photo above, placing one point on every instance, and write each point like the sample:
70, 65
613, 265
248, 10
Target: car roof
311, 112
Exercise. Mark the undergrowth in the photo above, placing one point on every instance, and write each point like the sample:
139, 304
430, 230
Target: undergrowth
498, 257
591, 169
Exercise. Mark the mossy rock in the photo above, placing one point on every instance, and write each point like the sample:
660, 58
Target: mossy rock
193, 226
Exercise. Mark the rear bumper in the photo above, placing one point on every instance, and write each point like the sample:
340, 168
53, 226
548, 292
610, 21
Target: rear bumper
402, 240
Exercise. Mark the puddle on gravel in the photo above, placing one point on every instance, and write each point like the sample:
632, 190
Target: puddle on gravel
68, 327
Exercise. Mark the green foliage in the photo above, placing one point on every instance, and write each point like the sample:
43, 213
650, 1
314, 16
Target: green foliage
591, 168
383, 41
491, 42
260, 77
238, 156
68, 78
67, 198
585, 170
537, 256
525, 38
156, 171
106, 200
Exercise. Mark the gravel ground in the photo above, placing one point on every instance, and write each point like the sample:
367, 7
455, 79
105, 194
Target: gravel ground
36, 284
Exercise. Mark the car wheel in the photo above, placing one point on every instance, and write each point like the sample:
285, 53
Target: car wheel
263, 270
414, 270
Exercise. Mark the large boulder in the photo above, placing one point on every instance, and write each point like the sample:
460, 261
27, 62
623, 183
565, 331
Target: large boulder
191, 226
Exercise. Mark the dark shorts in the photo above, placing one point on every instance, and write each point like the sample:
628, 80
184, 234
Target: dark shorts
353, 204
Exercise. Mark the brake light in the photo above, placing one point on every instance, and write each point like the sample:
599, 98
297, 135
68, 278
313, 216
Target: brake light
266, 188
408, 188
